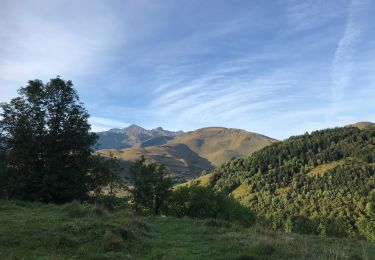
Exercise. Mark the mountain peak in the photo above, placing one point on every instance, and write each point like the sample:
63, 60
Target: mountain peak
132, 135
134, 126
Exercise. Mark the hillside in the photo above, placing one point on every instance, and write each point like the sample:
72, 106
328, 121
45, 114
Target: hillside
188, 154
219, 144
362, 125
73, 231
321, 183
180, 160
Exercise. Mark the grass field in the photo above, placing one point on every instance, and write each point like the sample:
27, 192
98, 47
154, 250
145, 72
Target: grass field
73, 231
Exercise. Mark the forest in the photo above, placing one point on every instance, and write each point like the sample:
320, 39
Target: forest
319, 183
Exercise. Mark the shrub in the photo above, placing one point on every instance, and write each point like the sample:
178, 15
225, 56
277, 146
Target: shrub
203, 202
366, 228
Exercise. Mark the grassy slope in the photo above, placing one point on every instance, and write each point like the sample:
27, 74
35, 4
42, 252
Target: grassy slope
320, 170
36, 231
219, 145
323, 168
201, 180
362, 125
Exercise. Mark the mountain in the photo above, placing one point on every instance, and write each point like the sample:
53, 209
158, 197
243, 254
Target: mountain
185, 154
219, 144
180, 160
362, 125
321, 183
132, 135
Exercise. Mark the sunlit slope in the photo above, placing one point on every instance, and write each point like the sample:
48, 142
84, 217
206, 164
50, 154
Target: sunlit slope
326, 178
219, 145
362, 125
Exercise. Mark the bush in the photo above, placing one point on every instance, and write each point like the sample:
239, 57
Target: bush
202, 202
366, 228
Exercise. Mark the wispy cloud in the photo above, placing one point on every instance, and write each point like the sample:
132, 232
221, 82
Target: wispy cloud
342, 64
183, 65
101, 124
42, 39
312, 14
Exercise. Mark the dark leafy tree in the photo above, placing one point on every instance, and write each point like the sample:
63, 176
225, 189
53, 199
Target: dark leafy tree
105, 172
47, 142
151, 186
139, 189
113, 173
161, 185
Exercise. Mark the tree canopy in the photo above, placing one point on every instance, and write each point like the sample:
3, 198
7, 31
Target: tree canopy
46, 143
151, 186
314, 183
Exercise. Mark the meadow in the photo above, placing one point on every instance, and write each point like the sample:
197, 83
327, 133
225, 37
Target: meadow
76, 231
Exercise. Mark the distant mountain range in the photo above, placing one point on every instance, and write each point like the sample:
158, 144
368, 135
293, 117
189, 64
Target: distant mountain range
186, 154
134, 135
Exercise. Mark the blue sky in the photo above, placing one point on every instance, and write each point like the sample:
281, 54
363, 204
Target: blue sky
278, 68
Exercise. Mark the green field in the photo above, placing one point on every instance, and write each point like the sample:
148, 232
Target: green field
73, 231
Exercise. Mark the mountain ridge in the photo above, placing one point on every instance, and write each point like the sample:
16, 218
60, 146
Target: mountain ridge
186, 154
362, 125
121, 138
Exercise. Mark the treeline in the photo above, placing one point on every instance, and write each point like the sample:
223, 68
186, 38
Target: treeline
284, 187
46, 146
46, 155
151, 192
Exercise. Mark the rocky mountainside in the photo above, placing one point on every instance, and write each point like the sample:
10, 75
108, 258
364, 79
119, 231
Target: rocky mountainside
132, 135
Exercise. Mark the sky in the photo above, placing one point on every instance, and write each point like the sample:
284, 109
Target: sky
278, 68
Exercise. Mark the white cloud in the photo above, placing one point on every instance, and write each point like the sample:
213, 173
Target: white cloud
43, 39
342, 64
